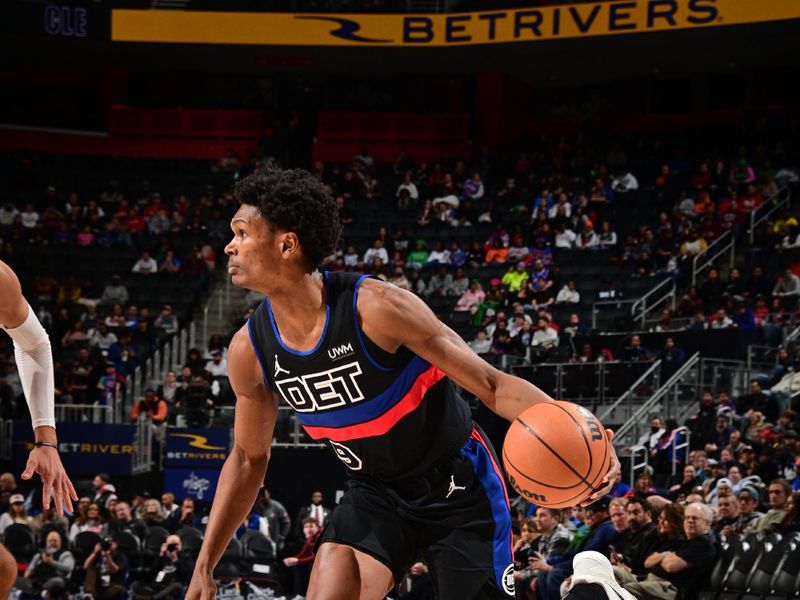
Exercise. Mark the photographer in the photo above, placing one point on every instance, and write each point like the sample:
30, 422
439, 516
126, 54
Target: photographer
196, 403
169, 575
106, 572
184, 517
50, 568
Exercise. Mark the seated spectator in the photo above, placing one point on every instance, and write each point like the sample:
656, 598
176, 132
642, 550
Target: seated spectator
496, 252
217, 366
756, 400
515, 278
545, 337
779, 492
683, 568
106, 572
787, 288
185, 516
152, 514
170, 263
634, 351
607, 240
169, 575
728, 510
91, 520
460, 282
748, 500
482, 343
377, 251
52, 566
440, 284
166, 321
568, 294
643, 539
146, 265
124, 521
16, 513
101, 337
302, 562
522, 550
598, 538
153, 407
518, 252
687, 483
554, 539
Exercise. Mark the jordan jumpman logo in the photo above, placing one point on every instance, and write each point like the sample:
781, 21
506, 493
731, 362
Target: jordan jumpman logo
278, 368
454, 487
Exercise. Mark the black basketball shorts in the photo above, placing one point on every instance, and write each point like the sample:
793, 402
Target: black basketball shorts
456, 518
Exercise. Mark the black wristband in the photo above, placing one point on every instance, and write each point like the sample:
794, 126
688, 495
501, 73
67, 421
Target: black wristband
48, 444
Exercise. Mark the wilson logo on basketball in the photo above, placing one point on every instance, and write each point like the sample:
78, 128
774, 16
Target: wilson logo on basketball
591, 423
527, 493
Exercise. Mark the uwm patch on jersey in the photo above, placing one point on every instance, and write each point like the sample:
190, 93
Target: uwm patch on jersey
324, 390
383, 414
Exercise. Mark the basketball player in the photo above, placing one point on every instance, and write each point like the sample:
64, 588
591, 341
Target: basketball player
35, 366
367, 367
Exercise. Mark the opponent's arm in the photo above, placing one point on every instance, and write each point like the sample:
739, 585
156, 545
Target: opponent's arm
243, 473
34, 360
392, 317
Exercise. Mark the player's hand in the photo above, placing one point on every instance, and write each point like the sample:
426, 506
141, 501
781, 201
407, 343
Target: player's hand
202, 586
47, 463
613, 472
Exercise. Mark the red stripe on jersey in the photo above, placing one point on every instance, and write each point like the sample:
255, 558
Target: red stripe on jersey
380, 425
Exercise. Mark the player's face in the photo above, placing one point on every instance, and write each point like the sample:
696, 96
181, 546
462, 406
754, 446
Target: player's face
252, 254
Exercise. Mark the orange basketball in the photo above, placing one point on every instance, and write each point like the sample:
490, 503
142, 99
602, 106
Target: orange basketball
556, 454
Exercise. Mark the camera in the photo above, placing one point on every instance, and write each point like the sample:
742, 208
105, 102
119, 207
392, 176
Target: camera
105, 545
172, 547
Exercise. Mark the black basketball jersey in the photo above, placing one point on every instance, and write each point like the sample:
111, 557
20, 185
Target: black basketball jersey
390, 416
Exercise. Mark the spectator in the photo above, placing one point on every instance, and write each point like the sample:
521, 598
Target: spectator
91, 520
635, 351
568, 294
106, 572
124, 521
277, 517
686, 567
756, 400
440, 284
146, 265
168, 505
748, 500
151, 406
514, 278
101, 337
523, 548
166, 321
643, 538
377, 251
115, 292
482, 343
672, 357
51, 566
169, 264
546, 337
16, 513
565, 238
779, 492
170, 574
217, 366
787, 289
183, 517
152, 514
302, 562
728, 509
472, 298
315, 510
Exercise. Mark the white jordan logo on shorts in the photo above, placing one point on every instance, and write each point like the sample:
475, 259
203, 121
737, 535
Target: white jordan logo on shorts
278, 368
454, 487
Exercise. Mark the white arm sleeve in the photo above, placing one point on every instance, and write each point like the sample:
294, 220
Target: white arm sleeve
35, 366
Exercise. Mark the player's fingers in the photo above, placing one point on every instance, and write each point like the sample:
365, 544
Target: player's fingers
45, 495
610, 434
72, 493
30, 469
58, 497
66, 484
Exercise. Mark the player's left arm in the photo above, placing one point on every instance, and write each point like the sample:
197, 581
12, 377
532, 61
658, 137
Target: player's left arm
35, 365
392, 317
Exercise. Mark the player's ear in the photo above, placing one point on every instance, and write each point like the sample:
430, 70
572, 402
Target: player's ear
290, 244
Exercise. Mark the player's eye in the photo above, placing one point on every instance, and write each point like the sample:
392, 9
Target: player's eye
242, 233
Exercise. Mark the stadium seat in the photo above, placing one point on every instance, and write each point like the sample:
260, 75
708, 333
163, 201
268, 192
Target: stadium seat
764, 572
787, 579
729, 547
151, 550
752, 547
259, 555
20, 541
84, 544
191, 540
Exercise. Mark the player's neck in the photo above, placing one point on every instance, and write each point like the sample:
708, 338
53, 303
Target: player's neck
299, 306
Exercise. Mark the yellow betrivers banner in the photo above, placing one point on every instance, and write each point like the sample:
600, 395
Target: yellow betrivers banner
442, 30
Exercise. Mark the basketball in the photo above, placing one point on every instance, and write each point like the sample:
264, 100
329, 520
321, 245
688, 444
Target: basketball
556, 454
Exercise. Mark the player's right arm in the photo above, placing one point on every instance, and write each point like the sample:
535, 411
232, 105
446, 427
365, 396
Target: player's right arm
243, 473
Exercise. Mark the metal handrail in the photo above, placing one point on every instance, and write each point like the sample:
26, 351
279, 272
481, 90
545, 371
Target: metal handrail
142, 457
730, 245
777, 202
90, 413
676, 446
656, 397
656, 366
643, 300
640, 465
